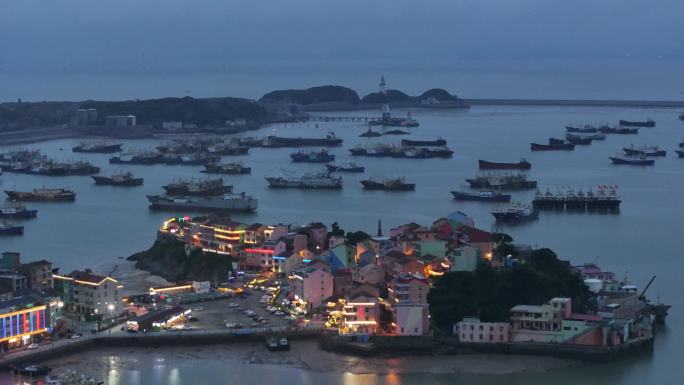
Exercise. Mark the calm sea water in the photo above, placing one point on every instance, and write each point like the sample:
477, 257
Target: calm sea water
644, 239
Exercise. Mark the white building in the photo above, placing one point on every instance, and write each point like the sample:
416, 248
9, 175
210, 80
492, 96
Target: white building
120, 121
312, 285
86, 293
473, 330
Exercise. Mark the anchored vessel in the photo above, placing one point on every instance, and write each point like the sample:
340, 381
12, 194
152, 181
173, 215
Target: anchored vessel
201, 187
42, 194
554, 144
605, 199
484, 196
306, 181
98, 147
146, 158
638, 160
122, 179
322, 156
421, 143
196, 159
515, 214
345, 167
522, 165
329, 141
629, 123
388, 121
587, 129
370, 133
226, 168
9, 229
17, 212
618, 130
502, 182
644, 151
224, 203
227, 149
388, 184
578, 139
396, 132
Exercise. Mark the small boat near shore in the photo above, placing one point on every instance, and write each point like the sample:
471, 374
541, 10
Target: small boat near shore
125, 179
41, 194
632, 160
644, 151
218, 204
226, 168
276, 344
29, 370
631, 123
388, 184
523, 164
481, 196
553, 145
345, 167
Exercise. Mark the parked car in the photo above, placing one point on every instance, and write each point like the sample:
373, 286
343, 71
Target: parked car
193, 319
32, 347
278, 312
75, 336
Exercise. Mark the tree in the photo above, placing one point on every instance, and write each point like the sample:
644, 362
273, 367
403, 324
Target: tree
335, 231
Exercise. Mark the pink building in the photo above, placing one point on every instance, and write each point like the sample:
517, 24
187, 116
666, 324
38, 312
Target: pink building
408, 303
411, 319
312, 285
473, 330
369, 273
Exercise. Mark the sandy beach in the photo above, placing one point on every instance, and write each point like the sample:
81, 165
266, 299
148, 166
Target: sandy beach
304, 355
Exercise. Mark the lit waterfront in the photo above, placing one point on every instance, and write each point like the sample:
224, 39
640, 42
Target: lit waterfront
641, 239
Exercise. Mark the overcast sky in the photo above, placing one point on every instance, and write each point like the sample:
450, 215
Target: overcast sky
54, 39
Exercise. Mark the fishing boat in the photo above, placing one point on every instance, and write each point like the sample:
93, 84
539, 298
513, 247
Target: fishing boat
346, 167
330, 140
502, 182
618, 130
226, 168
306, 181
586, 129
216, 204
388, 184
578, 139
483, 196
17, 211
630, 123
388, 121
644, 150
103, 147
322, 156
41, 194
396, 132
423, 143
523, 164
125, 179
515, 214
227, 149
7, 228
145, 158
554, 144
200, 187
370, 134
638, 160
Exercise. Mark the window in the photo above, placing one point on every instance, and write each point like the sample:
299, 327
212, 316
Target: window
402, 330
480, 337
416, 330
481, 328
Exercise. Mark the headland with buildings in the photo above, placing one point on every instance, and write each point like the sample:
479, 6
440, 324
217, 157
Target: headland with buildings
416, 289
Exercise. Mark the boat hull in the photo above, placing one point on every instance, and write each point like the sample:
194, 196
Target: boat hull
522, 165
552, 147
372, 185
37, 197
110, 149
466, 196
107, 181
628, 123
218, 205
12, 230
635, 162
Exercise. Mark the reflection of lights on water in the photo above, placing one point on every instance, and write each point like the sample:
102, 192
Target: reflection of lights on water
174, 377
113, 376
